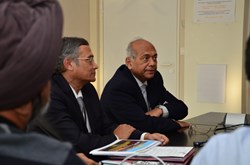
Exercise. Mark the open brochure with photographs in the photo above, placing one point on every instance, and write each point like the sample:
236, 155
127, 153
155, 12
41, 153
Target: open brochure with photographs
145, 150
124, 147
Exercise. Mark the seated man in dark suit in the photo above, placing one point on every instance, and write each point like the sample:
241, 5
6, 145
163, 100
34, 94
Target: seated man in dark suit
126, 100
75, 111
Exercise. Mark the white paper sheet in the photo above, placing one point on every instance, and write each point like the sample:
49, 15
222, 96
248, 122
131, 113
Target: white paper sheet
214, 11
211, 83
169, 151
235, 119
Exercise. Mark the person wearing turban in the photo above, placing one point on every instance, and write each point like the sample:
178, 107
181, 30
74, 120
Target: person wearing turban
30, 42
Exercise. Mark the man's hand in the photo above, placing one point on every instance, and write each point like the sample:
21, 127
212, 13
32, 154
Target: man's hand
156, 112
157, 136
123, 131
86, 160
183, 124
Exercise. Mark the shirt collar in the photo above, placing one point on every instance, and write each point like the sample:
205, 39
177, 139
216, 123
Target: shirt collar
77, 95
139, 82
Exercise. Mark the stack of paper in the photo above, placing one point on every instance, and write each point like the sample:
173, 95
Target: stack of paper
146, 150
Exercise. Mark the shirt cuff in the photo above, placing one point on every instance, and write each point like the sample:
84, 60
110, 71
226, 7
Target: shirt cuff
117, 138
164, 109
143, 135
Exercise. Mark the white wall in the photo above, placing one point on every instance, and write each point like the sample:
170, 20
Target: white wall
153, 20
81, 20
207, 43
76, 18
214, 43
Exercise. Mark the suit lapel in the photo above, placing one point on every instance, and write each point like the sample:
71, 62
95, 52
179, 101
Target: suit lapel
138, 91
75, 108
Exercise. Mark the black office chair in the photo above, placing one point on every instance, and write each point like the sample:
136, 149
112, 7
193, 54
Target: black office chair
42, 126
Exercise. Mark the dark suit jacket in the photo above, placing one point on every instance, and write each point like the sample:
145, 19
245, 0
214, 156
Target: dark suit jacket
65, 116
123, 101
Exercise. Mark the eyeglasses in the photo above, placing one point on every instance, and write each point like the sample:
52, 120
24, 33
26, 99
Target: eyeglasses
194, 129
88, 59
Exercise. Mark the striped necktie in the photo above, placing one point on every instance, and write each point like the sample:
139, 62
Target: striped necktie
84, 113
144, 93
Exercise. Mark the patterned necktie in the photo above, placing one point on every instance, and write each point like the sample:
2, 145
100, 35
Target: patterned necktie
144, 93
84, 113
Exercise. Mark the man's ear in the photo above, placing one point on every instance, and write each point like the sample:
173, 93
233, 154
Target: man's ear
22, 115
128, 62
24, 110
68, 64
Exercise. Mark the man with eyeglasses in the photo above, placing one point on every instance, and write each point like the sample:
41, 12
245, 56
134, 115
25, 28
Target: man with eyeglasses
136, 95
75, 111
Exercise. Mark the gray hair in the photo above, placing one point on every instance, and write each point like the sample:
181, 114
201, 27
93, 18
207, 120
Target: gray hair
70, 50
130, 51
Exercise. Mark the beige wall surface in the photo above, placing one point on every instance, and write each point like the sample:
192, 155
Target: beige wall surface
76, 18
161, 31
214, 43
203, 43
79, 21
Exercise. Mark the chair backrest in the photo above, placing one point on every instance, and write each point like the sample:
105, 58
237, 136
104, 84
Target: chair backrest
41, 125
